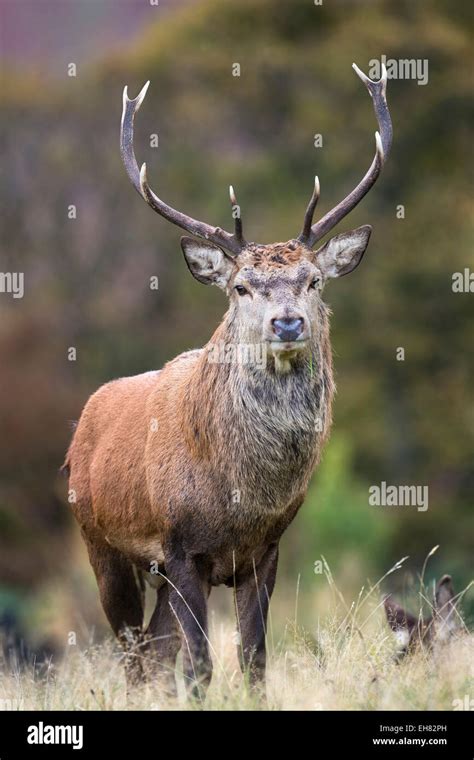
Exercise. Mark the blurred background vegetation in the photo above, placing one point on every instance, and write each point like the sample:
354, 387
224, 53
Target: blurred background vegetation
87, 279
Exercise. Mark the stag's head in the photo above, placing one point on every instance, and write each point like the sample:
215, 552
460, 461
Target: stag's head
274, 290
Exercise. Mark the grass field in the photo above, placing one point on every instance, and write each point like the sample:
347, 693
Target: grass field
343, 675
346, 662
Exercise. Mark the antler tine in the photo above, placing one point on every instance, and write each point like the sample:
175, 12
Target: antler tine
238, 234
233, 243
130, 108
378, 93
383, 143
303, 237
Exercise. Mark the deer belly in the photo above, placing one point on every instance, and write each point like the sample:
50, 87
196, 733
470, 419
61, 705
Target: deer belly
144, 551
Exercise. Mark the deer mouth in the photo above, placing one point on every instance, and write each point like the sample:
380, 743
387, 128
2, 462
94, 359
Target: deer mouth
287, 346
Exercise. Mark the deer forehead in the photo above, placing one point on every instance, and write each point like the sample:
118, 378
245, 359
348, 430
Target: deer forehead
273, 265
275, 256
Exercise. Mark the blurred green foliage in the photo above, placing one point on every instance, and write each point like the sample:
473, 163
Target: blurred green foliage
87, 280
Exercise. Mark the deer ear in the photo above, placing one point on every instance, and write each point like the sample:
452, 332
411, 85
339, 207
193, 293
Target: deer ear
400, 621
206, 262
444, 596
343, 252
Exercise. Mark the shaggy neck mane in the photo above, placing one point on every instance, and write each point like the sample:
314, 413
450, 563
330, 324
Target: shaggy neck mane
246, 418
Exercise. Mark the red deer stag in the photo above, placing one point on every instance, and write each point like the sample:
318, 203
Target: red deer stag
189, 475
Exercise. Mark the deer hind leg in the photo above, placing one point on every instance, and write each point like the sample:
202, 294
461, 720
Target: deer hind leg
121, 596
163, 642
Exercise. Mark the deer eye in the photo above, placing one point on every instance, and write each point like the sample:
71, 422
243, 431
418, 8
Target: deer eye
241, 290
314, 284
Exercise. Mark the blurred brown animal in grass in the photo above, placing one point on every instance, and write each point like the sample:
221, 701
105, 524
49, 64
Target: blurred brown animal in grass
412, 631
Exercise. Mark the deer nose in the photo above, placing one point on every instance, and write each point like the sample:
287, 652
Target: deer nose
288, 330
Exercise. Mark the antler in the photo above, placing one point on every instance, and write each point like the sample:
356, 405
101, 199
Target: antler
383, 142
234, 243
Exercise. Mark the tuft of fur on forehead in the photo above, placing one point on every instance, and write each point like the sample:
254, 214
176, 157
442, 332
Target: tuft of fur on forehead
275, 256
